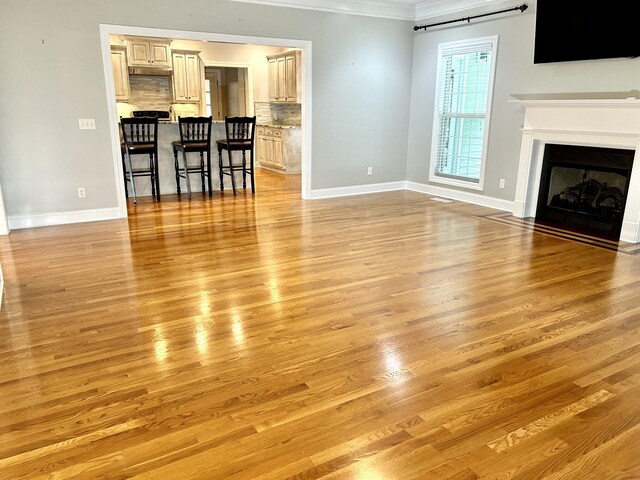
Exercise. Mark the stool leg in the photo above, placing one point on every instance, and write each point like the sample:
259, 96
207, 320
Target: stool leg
186, 173
177, 167
156, 174
244, 170
220, 168
253, 185
133, 185
202, 170
233, 180
209, 171
152, 175
125, 173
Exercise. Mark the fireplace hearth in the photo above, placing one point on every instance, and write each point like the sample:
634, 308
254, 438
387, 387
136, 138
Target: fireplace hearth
584, 188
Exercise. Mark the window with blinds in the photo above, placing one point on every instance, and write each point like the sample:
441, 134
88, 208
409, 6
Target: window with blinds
461, 118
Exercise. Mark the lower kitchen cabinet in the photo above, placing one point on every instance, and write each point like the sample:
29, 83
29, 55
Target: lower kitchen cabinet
278, 148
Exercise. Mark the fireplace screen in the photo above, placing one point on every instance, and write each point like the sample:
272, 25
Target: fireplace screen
588, 191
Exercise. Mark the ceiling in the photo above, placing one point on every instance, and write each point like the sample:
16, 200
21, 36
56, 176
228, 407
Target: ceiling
415, 10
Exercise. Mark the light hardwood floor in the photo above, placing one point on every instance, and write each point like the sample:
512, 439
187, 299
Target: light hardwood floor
384, 336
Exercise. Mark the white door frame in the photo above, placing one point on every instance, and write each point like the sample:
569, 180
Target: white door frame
303, 45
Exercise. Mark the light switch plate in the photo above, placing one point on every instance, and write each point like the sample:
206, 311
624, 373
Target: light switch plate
87, 123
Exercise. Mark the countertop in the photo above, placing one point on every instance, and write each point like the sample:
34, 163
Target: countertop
171, 122
261, 124
276, 125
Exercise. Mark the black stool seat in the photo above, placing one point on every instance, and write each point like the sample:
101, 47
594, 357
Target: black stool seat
142, 148
234, 144
240, 133
195, 136
190, 146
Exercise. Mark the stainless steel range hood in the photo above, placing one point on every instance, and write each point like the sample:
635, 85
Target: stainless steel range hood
150, 71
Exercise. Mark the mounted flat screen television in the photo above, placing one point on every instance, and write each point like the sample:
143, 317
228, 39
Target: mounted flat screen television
570, 31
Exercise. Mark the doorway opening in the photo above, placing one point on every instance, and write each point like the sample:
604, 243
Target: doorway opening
229, 90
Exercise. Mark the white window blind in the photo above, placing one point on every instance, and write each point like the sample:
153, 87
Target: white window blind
465, 80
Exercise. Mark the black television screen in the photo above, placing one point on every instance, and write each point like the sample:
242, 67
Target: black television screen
568, 31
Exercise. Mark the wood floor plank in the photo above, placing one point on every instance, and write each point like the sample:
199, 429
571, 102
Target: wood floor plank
267, 337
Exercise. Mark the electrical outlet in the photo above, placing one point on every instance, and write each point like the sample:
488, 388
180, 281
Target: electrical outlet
81, 192
502, 183
370, 171
87, 123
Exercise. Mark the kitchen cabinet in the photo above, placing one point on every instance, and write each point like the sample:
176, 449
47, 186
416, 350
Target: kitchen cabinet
279, 148
120, 73
270, 147
284, 77
145, 52
186, 76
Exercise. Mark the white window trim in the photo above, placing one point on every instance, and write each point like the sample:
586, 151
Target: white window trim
458, 45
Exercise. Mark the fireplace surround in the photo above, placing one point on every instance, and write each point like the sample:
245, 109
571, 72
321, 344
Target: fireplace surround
608, 120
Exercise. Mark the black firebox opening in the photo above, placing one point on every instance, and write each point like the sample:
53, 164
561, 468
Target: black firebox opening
584, 188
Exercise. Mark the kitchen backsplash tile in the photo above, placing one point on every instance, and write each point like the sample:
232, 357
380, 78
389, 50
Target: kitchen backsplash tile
285, 113
150, 92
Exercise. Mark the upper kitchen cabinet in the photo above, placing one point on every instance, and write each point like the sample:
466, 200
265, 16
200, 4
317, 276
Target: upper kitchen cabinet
120, 73
283, 77
186, 76
145, 51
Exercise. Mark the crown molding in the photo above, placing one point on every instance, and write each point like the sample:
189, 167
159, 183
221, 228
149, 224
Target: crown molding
413, 10
430, 9
396, 9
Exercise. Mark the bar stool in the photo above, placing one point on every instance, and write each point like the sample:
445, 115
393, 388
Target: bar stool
140, 137
195, 136
240, 137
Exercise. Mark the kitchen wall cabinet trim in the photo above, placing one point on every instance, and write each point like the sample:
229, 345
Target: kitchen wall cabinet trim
186, 76
284, 77
120, 72
148, 52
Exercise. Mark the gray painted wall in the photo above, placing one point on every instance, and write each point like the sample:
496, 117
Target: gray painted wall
52, 75
515, 73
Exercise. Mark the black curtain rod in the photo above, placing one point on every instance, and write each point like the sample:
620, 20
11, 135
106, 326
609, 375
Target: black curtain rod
521, 8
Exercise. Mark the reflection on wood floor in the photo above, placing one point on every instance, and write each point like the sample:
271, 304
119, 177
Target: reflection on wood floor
383, 336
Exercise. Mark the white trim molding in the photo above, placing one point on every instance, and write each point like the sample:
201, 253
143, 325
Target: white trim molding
394, 9
81, 216
466, 197
428, 9
414, 10
356, 190
61, 218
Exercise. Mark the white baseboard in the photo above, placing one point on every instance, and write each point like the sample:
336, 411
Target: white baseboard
60, 218
467, 197
79, 216
356, 190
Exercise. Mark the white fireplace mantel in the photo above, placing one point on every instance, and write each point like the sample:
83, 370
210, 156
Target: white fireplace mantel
608, 119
